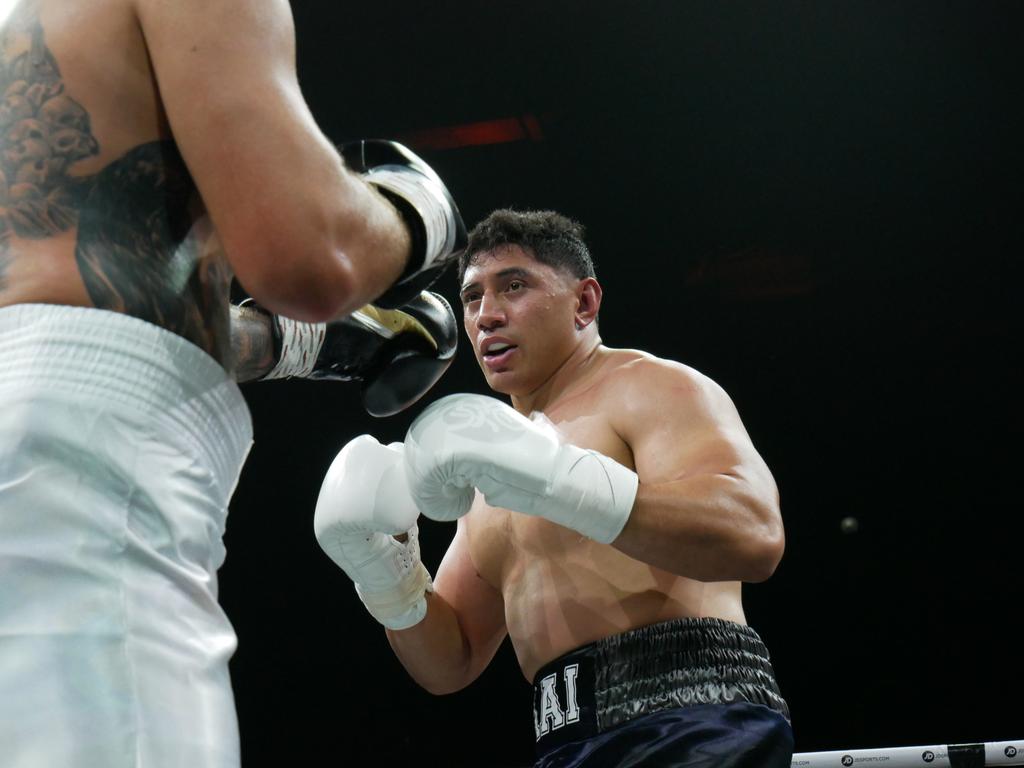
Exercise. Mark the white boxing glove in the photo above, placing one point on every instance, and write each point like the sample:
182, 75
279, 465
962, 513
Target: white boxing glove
363, 503
462, 442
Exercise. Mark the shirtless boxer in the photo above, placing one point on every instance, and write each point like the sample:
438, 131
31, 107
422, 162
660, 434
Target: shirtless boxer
605, 523
149, 150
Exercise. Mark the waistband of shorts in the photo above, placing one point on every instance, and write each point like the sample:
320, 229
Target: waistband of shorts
678, 663
112, 360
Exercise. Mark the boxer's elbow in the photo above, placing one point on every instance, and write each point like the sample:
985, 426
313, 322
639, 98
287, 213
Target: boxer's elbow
440, 680
442, 687
322, 290
763, 548
311, 281
434, 663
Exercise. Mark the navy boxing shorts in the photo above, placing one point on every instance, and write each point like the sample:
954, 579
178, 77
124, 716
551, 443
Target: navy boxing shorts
689, 693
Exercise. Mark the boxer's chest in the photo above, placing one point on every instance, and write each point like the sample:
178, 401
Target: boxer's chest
503, 542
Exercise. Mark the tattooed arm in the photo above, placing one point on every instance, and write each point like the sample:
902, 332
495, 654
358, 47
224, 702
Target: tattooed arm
5, 260
252, 344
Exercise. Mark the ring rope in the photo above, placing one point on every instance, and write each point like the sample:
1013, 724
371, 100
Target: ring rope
977, 755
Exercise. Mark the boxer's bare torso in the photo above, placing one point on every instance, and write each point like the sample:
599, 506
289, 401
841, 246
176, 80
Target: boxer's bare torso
562, 590
98, 209
705, 514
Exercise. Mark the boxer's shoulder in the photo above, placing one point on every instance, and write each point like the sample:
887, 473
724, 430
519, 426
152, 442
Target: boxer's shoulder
640, 378
637, 397
631, 384
637, 367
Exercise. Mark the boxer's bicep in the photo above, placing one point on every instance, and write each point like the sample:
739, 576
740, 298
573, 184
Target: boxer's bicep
707, 505
478, 606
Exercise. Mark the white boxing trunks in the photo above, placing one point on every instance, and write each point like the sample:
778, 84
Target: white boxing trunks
120, 446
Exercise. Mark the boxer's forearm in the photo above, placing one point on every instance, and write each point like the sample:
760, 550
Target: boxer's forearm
708, 528
252, 343
434, 652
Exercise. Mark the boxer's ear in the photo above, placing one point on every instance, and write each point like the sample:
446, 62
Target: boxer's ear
588, 301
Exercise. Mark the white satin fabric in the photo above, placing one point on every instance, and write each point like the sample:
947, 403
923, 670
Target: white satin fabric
120, 446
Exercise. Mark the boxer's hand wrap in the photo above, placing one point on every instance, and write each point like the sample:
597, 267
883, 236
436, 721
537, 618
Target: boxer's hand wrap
363, 501
462, 442
396, 354
435, 226
297, 346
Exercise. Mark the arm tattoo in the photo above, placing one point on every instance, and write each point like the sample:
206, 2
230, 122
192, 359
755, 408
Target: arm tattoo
252, 344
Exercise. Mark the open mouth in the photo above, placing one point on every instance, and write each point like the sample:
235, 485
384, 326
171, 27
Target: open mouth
498, 353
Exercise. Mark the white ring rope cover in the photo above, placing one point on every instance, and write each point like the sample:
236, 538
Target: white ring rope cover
952, 755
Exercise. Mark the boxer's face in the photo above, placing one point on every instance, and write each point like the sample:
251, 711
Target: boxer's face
520, 318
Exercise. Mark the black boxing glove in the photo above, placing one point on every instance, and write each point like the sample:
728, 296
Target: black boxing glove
435, 226
396, 354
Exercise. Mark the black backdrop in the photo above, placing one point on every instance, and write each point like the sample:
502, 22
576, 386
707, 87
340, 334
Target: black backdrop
818, 204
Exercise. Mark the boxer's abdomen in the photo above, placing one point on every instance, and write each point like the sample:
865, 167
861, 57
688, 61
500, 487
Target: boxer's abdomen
562, 591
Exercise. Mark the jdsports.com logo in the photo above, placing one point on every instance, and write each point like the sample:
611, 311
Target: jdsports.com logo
850, 759
1010, 751
928, 756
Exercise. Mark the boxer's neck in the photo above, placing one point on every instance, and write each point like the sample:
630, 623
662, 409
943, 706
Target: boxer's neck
568, 377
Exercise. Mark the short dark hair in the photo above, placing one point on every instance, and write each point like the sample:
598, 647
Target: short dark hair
550, 237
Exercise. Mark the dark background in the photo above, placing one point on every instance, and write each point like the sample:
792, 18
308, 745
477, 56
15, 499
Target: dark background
818, 204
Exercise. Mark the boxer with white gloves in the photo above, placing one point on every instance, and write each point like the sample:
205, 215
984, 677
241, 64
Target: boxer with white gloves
467, 442
605, 523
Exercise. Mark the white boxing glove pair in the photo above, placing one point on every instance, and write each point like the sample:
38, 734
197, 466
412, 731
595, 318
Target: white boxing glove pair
459, 444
